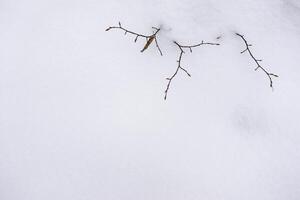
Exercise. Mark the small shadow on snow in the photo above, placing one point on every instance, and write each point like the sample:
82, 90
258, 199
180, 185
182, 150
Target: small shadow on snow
291, 10
250, 120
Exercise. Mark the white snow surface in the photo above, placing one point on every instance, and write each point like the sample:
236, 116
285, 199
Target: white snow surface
82, 115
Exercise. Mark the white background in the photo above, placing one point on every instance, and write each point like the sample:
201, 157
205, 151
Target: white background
82, 114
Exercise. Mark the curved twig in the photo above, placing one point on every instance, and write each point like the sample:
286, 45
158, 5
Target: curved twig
149, 38
179, 67
270, 75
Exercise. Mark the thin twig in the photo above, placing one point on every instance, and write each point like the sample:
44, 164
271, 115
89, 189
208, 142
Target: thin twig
270, 75
149, 38
179, 67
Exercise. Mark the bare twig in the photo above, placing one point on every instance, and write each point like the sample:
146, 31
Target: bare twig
149, 38
270, 75
179, 66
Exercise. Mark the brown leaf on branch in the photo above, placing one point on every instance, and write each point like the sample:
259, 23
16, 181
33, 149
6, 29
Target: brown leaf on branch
149, 41
149, 38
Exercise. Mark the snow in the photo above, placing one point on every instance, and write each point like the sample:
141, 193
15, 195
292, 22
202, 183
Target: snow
82, 110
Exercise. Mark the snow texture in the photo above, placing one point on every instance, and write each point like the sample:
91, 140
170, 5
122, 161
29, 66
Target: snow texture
82, 110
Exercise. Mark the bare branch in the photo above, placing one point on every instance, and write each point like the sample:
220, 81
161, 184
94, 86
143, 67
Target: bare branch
179, 67
157, 46
258, 66
149, 38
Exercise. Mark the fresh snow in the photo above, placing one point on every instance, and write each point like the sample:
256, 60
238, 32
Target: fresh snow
82, 114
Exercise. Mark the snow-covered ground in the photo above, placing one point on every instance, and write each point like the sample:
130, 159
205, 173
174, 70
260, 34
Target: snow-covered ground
82, 114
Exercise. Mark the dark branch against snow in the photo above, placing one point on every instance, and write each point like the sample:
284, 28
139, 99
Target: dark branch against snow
179, 66
258, 66
153, 38
149, 38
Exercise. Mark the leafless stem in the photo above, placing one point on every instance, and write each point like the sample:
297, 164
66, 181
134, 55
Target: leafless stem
149, 38
179, 66
258, 66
